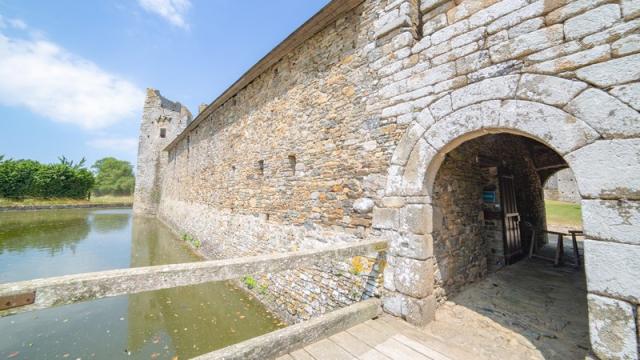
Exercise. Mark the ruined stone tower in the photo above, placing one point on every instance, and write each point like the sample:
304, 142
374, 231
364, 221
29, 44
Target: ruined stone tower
162, 121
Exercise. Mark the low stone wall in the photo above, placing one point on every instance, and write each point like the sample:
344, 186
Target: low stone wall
294, 295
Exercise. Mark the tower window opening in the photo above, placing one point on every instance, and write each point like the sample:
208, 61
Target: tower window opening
163, 133
292, 163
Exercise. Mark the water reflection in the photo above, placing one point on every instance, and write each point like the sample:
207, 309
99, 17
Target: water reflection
52, 231
182, 322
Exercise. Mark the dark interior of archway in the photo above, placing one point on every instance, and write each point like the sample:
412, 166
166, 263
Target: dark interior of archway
469, 195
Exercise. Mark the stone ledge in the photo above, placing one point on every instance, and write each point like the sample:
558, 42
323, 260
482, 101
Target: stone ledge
291, 338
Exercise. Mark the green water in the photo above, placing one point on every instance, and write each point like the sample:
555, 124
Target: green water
165, 324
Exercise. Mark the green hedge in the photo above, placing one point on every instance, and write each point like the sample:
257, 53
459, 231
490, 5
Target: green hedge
28, 178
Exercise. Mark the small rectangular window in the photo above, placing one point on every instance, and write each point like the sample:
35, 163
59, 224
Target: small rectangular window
261, 167
292, 163
163, 133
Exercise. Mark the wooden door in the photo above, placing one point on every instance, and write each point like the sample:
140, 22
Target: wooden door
510, 220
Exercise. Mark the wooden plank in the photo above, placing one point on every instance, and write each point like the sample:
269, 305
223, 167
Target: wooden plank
81, 287
417, 335
301, 355
327, 349
285, 357
421, 348
385, 343
296, 336
356, 347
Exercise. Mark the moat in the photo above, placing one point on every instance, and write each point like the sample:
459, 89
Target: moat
165, 324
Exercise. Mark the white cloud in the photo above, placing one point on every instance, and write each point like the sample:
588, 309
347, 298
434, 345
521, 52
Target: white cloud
122, 145
173, 11
48, 80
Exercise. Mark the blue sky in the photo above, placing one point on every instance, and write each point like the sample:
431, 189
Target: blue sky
73, 73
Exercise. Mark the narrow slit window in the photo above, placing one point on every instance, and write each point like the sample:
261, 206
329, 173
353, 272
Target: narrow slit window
261, 167
292, 163
163, 133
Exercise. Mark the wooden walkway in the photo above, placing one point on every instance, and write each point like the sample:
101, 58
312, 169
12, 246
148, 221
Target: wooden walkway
385, 338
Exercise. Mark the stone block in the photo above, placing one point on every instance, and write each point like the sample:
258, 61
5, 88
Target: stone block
571, 9
503, 87
628, 93
612, 269
396, 110
431, 76
363, 205
393, 201
504, 68
608, 115
550, 90
495, 11
527, 44
616, 220
630, 9
414, 218
414, 277
450, 31
393, 304
626, 45
414, 171
612, 328
407, 245
612, 72
572, 61
473, 62
425, 119
592, 21
563, 132
384, 218
396, 23
526, 27
406, 144
428, 5
466, 9
468, 119
532, 10
441, 107
555, 51
394, 180
607, 169
420, 312
611, 34
435, 24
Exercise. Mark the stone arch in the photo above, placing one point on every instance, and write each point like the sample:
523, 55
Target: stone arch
557, 112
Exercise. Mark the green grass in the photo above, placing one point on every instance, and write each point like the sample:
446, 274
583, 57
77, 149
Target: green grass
61, 201
563, 213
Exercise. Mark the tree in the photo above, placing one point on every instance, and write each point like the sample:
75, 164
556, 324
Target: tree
113, 177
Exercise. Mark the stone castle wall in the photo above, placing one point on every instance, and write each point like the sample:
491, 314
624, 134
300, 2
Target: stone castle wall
293, 161
562, 186
341, 140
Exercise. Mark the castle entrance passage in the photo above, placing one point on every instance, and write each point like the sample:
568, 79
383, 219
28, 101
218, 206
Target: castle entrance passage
489, 214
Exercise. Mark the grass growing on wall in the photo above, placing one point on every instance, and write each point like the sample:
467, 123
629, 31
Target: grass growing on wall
563, 213
63, 201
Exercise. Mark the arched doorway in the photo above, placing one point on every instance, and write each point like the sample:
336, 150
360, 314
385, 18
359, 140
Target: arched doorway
552, 112
490, 219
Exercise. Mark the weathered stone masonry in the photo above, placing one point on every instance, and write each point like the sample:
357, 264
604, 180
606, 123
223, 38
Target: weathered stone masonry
342, 137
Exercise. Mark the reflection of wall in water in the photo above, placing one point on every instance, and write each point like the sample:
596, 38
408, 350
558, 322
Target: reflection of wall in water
104, 222
207, 311
52, 230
